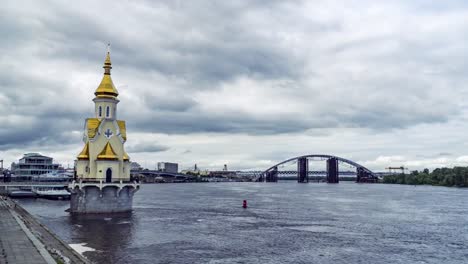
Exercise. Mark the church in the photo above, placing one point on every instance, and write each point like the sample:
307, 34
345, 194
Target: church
102, 178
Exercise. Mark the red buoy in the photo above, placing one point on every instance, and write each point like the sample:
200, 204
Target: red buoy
244, 204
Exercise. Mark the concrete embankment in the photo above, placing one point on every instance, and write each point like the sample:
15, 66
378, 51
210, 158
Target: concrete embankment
24, 240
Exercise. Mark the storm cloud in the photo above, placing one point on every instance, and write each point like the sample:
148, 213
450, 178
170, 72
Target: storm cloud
250, 69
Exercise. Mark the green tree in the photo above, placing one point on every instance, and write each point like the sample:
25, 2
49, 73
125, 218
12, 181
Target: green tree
457, 176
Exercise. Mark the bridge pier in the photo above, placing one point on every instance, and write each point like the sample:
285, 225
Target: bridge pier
302, 170
332, 170
363, 176
272, 175
261, 178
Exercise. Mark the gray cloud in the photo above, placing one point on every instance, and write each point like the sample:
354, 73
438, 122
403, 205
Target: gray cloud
260, 68
443, 154
147, 147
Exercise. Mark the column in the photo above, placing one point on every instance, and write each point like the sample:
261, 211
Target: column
332, 170
272, 175
302, 170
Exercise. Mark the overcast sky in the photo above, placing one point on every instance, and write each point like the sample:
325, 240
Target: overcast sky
242, 83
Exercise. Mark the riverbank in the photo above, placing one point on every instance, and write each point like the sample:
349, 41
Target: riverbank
25, 240
449, 177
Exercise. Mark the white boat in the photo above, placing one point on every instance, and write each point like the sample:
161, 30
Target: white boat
56, 194
21, 194
55, 176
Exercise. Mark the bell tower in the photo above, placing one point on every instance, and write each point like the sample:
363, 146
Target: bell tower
106, 94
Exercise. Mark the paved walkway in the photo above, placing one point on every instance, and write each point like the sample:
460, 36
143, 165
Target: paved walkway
15, 245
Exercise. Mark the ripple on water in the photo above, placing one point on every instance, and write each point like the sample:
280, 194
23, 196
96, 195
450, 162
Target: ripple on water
316, 229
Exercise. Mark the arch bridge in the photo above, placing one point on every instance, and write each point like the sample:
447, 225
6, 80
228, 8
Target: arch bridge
363, 174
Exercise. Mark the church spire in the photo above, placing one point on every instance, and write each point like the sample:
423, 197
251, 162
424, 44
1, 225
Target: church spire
107, 88
107, 62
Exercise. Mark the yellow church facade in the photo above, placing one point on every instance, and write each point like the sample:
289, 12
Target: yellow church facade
102, 181
103, 157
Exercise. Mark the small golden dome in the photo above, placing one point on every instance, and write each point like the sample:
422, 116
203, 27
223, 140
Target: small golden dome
107, 153
126, 157
122, 129
107, 88
84, 154
92, 125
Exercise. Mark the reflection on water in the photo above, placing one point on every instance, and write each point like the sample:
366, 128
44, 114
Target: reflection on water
110, 234
104, 238
285, 223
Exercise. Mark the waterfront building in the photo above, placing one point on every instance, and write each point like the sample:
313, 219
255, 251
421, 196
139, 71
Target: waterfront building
32, 165
102, 182
168, 167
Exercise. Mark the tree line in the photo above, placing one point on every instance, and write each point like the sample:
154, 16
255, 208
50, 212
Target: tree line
457, 176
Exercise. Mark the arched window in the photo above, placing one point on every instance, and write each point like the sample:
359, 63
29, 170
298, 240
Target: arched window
100, 111
107, 111
109, 175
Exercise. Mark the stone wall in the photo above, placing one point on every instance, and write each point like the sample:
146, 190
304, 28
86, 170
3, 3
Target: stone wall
90, 199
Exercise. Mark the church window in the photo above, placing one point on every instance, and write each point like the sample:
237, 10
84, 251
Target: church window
107, 111
100, 111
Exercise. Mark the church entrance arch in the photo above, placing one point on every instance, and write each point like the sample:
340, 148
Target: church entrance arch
109, 175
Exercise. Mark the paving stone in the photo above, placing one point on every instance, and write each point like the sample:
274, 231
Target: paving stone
15, 246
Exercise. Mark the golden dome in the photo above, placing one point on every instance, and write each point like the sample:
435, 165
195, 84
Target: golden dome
107, 88
122, 129
126, 157
84, 154
107, 153
92, 125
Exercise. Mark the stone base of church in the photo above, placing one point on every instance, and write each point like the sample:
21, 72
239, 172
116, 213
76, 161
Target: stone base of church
97, 198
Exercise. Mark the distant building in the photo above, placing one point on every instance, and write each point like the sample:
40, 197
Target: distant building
33, 165
223, 173
196, 172
168, 167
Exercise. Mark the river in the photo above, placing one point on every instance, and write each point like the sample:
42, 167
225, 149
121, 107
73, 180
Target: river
285, 222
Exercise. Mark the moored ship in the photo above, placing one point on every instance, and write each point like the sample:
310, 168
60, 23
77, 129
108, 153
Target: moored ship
22, 194
52, 193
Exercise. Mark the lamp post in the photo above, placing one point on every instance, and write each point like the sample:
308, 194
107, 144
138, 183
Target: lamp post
1, 171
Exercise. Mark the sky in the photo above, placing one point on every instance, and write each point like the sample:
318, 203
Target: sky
242, 83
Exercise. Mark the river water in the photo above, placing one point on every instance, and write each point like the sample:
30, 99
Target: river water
285, 222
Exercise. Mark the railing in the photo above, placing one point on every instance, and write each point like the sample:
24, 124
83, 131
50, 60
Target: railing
32, 183
101, 184
34, 179
103, 180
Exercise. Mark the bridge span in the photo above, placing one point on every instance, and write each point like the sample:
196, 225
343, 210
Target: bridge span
363, 174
